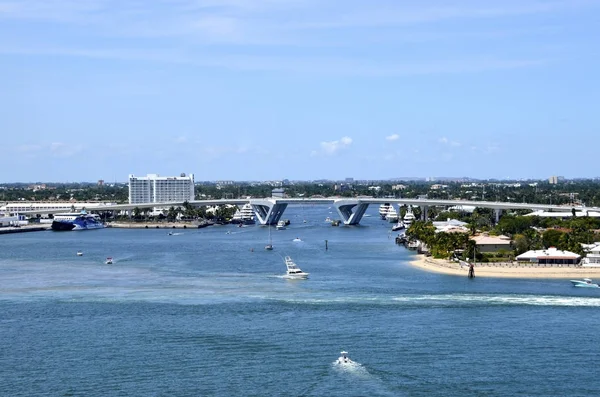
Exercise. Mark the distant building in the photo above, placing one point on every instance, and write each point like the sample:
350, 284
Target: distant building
349, 180
551, 256
101, 182
160, 189
438, 186
553, 180
398, 187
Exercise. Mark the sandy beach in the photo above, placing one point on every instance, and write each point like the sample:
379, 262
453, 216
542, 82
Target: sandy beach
483, 270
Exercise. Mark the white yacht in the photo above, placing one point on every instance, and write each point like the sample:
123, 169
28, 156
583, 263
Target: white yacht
293, 271
392, 214
344, 359
280, 225
383, 210
409, 218
109, 261
244, 215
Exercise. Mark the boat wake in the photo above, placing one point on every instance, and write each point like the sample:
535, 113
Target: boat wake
352, 368
456, 300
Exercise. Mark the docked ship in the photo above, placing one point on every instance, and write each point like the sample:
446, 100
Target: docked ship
409, 217
76, 221
392, 214
244, 215
384, 210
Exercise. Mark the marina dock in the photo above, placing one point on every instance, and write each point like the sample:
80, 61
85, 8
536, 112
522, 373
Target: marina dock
24, 229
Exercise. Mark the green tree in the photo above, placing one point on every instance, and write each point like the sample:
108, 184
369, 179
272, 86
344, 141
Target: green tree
551, 237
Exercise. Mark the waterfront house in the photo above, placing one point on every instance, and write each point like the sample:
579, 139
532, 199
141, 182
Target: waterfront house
550, 256
486, 243
592, 257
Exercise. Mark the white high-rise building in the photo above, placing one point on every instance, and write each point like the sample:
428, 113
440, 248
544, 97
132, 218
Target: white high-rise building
160, 189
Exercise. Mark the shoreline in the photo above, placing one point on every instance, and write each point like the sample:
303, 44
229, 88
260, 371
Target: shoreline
443, 266
154, 225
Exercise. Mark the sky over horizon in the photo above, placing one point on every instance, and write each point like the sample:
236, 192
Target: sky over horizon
298, 89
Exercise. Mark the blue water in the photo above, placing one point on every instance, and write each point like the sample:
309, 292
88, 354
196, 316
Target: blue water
205, 313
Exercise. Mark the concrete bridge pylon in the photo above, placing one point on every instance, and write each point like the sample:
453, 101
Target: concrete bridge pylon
268, 211
345, 208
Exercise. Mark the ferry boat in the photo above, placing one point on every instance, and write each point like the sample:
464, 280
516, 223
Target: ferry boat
244, 215
76, 221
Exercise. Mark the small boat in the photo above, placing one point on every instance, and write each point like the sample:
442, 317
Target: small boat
109, 261
398, 226
344, 359
280, 225
293, 271
297, 240
586, 282
328, 219
79, 253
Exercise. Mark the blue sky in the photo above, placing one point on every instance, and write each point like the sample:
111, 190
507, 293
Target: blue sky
298, 89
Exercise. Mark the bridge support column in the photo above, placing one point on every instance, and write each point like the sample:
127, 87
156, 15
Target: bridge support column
344, 208
268, 211
424, 212
497, 212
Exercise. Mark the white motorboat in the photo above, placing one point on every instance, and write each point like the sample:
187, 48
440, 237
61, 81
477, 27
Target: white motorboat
280, 225
586, 282
344, 359
293, 271
398, 226
79, 253
297, 240
109, 261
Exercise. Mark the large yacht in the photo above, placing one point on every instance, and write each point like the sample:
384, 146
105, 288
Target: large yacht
383, 210
409, 217
392, 214
244, 215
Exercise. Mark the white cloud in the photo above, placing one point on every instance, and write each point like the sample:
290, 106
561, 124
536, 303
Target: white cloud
445, 141
190, 30
332, 147
392, 137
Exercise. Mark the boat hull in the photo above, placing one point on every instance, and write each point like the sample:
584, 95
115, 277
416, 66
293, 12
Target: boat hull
65, 226
62, 226
303, 276
583, 284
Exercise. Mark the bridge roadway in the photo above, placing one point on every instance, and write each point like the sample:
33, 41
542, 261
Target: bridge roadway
270, 210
